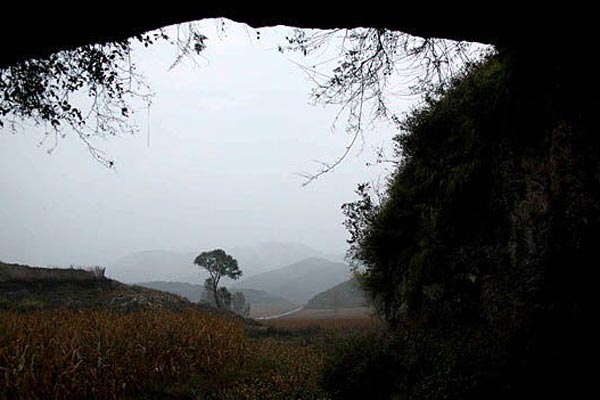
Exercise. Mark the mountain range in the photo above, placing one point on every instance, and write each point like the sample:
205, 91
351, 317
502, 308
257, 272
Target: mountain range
296, 283
299, 281
163, 265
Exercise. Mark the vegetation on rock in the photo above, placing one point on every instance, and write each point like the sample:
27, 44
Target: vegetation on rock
481, 256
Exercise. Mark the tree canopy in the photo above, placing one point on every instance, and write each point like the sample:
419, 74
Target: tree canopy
89, 91
218, 264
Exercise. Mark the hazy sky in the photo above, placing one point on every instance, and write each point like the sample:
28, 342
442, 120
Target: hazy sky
228, 138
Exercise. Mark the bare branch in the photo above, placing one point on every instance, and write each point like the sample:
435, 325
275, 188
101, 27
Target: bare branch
369, 61
90, 90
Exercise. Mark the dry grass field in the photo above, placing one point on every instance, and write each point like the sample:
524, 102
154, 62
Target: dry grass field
97, 354
265, 310
339, 319
64, 337
66, 354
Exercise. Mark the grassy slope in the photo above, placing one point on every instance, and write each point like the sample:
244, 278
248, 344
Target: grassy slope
344, 295
27, 288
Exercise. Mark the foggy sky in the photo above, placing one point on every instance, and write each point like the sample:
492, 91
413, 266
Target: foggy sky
227, 140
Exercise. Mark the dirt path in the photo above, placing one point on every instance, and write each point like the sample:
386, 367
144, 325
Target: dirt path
285, 314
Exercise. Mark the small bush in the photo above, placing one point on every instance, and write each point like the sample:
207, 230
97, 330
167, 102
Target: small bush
98, 272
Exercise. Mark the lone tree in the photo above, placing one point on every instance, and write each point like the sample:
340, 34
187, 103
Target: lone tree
218, 264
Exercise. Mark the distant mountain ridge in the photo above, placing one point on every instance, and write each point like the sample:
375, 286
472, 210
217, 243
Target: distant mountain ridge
267, 256
163, 265
299, 281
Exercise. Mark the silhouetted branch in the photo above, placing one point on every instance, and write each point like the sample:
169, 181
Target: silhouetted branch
369, 61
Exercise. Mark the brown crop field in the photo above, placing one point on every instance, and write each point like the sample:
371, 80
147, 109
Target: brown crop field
96, 354
61, 354
340, 319
264, 310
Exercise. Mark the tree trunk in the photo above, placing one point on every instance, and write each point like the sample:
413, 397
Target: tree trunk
216, 294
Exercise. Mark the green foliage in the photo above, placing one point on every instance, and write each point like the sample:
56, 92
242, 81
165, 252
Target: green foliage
45, 92
90, 90
218, 264
432, 200
494, 198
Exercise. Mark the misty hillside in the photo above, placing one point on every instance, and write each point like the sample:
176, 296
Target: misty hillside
271, 255
169, 266
300, 281
194, 292
344, 295
255, 296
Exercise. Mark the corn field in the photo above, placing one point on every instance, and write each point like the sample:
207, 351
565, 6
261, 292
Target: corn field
104, 355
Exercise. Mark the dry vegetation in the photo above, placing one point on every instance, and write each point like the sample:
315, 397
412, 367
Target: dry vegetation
60, 354
277, 368
24, 273
331, 320
95, 354
265, 310
70, 334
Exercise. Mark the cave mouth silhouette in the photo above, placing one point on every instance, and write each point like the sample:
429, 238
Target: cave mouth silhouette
51, 27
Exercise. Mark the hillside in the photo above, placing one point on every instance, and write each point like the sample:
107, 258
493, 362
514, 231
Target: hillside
27, 288
300, 281
190, 291
194, 292
267, 256
344, 295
